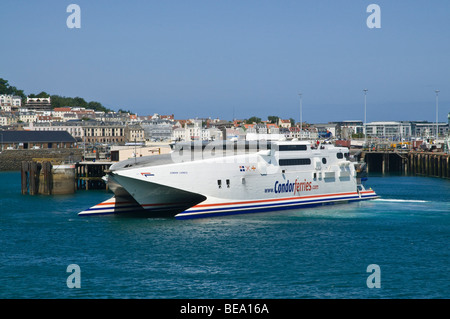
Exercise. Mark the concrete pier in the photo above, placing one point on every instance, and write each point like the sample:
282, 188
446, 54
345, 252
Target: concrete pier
47, 179
63, 178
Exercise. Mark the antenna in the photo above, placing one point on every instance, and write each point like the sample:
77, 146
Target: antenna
301, 111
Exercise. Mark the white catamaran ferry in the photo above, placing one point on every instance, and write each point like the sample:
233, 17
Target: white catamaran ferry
221, 178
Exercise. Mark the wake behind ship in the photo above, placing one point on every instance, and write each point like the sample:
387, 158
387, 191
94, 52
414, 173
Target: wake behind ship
222, 178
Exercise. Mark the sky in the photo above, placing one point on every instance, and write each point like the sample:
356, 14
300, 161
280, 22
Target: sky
235, 58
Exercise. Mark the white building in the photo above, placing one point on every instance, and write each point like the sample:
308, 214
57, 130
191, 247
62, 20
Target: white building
304, 134
28, 117
10, 102
3, 120
429, 129
383, 129
405, 129
193, 131
211, 134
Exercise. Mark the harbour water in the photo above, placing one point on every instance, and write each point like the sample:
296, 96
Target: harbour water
318, 252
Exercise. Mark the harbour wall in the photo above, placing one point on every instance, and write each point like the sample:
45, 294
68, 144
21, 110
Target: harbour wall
42, 177
11, 160
415, 163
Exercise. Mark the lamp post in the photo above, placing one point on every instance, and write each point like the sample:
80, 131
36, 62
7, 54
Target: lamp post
301, 120
365, 109
437, 103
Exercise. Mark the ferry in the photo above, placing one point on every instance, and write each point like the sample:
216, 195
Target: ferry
222, 178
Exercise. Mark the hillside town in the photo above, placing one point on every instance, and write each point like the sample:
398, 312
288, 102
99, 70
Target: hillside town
89, 127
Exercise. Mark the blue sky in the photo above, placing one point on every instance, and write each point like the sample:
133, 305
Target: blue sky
241, 58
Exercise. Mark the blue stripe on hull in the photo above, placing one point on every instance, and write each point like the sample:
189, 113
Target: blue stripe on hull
268, 207
204, 213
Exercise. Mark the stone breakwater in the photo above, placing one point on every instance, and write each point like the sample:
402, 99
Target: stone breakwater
11, 160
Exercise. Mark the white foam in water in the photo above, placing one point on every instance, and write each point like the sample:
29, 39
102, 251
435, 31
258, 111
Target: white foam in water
401, 200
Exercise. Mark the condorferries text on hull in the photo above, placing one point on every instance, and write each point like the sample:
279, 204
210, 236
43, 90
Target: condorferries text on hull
222, 178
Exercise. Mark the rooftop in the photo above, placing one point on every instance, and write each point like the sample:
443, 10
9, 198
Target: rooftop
35, 136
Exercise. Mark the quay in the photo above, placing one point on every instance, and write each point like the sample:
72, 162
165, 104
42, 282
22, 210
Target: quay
45, 177
50, 176
410, 162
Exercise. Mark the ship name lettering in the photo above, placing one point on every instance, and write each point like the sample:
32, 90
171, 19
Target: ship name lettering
295, 187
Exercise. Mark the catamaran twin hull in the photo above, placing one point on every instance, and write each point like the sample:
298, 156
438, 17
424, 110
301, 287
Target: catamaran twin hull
283, 177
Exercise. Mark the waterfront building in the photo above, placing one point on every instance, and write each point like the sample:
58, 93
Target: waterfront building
428, 129
35, 140
405, 129
346, 129
384, 129
74, 128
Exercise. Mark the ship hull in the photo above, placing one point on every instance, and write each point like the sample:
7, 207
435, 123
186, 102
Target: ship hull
134, 197
276, 204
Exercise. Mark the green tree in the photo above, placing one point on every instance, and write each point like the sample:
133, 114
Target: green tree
6, 88
43, 94
292, 121
253, 119
80, 102
123, 111
273, 119
56, 100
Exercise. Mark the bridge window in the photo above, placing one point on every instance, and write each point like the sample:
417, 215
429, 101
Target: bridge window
294, 161
340, 155
292, 148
